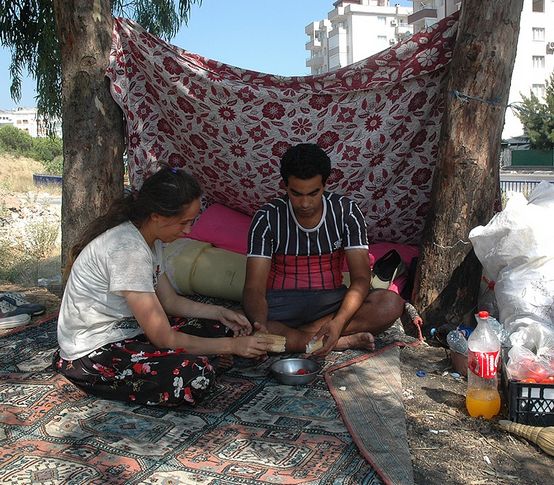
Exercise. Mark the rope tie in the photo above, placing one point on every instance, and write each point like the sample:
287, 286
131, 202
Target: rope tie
466, 98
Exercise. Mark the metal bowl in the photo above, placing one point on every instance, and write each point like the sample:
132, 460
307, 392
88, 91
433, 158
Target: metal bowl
286, 371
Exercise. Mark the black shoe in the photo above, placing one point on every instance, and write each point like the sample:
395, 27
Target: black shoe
386, 269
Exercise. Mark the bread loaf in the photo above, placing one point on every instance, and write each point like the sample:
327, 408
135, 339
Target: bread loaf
278, 342
314, 345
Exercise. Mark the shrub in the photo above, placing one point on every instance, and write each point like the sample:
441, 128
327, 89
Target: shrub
54, 166
14, 140
46, 149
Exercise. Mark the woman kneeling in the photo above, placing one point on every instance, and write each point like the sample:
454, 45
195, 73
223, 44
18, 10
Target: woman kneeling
116, 339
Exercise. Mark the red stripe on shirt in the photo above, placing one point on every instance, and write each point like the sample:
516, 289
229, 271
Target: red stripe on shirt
316, 272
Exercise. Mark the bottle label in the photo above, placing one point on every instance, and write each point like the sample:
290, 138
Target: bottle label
483, 364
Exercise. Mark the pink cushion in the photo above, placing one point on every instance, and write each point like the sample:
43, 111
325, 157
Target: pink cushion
223, 228
228, 229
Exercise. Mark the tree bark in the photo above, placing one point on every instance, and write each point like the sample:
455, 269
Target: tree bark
466, 178
93, 139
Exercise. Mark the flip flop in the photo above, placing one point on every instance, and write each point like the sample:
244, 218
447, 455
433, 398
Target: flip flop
386, 269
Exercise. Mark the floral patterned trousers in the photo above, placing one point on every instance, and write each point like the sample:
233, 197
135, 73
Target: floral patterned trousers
135, 370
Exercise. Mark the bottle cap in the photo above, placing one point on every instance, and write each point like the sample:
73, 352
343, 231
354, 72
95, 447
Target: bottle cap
483, 314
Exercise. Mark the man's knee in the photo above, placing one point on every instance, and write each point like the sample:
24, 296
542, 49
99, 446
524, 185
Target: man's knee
387, 301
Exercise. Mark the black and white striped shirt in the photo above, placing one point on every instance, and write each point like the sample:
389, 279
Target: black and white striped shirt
306, 258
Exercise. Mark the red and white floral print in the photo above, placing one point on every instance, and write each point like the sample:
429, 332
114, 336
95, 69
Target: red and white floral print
379, 121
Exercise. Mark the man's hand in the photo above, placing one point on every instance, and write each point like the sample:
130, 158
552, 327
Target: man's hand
259, 328
237, 322
330, 332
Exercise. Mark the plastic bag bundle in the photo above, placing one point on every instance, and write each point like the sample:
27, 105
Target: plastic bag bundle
531, 357
516, 249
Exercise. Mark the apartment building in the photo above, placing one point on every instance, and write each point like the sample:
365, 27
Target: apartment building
27, 119
354, 30
535, 49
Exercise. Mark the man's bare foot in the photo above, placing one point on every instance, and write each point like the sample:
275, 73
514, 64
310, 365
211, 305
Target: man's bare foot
361, 340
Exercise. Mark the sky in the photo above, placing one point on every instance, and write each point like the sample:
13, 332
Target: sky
262, 35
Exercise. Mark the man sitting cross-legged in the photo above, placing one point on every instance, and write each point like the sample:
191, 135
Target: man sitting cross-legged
296, 247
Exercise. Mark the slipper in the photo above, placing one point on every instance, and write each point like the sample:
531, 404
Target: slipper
386, 269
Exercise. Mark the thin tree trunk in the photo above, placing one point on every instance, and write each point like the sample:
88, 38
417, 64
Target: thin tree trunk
466, 178
92, 122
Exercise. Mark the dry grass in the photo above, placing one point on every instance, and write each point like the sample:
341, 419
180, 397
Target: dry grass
16, 174
36, 253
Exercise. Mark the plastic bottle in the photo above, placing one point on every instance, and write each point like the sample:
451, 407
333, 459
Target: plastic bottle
457, 341
499, 330
465, 329
482, 398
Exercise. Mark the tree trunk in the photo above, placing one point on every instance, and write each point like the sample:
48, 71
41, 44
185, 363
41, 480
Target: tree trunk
92, 122
466, 178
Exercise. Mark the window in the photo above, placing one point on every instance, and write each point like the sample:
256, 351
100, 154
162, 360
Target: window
538, 33
382, 39
538, 5
538, 62
382, 20
538, 90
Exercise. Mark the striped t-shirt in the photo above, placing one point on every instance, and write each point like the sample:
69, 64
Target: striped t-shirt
306, 258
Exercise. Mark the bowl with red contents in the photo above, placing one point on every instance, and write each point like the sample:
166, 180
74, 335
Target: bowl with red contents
295, 371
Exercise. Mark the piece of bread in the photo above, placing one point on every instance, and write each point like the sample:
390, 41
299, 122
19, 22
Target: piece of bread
314, 345
278, 342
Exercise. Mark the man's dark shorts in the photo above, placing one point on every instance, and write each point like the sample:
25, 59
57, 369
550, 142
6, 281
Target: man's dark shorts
295, 308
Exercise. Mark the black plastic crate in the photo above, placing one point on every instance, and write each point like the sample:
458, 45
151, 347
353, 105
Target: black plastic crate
528, 403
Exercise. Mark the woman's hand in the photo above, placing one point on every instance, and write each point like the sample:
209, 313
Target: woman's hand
252, 346
237, 322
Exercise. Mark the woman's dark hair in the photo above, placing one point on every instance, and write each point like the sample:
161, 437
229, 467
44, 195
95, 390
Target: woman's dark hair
166, 193
305, 161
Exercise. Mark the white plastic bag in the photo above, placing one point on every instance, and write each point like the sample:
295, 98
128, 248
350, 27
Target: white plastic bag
516, 249
532, 354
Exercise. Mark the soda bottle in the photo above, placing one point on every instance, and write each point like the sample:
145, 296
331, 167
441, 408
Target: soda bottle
482, 398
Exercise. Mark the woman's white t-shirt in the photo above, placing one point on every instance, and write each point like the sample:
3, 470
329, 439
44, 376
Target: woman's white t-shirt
93, 313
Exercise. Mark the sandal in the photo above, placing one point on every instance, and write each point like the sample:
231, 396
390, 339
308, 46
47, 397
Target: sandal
386, 269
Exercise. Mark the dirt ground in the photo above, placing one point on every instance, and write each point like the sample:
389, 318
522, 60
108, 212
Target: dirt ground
447, 446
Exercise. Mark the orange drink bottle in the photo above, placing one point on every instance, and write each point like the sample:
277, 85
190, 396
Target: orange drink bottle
482, 398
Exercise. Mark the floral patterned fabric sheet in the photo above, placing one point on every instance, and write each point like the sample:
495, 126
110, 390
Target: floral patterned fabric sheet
379, 120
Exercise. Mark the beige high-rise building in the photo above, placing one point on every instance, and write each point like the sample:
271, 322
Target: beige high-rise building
354, 30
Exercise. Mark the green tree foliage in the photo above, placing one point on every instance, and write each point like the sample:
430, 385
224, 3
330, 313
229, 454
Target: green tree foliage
15, 141
28, 29
537, 117
46, 149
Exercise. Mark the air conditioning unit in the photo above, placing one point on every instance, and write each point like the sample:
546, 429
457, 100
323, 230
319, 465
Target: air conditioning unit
393, 23
550, 46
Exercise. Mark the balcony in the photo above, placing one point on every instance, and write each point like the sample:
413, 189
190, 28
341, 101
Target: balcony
314, 62
313, 44
423, 14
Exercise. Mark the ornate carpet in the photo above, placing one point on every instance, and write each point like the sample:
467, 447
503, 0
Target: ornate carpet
250, 430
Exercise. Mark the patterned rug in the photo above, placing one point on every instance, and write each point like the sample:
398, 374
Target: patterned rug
250, 430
